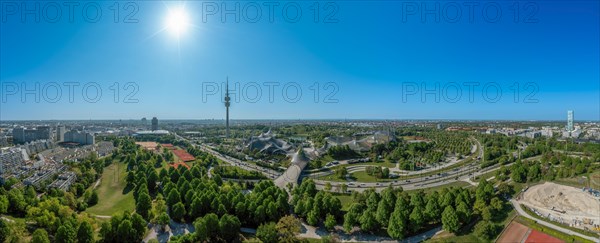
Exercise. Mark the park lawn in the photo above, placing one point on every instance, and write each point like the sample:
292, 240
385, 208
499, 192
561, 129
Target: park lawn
485, 176
577, 181
449, 237
595, 180
517, 187
379, 163
345, 199
362, 176
164, 165
331, 177
110, 192
439, 188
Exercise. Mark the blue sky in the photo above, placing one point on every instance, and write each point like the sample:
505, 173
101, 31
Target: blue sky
370, 60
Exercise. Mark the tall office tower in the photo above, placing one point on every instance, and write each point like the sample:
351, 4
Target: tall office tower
570, 116
44, 132
154, 124
60, 133
227, 104
18, 134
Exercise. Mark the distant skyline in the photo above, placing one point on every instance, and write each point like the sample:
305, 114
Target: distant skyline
372, 61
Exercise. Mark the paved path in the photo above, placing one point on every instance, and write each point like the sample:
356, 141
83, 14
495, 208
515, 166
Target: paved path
174, 229
102, 216
517, 206
97, 183
7, 219
317, 233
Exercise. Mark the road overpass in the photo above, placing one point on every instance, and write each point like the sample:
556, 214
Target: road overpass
292, 174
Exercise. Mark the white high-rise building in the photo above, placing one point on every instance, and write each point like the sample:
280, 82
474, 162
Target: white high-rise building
570, 117
82, 138
60, 133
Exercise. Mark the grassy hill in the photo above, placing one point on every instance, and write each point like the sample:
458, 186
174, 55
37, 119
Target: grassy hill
112, 198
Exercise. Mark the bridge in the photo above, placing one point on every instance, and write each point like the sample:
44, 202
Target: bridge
292, 174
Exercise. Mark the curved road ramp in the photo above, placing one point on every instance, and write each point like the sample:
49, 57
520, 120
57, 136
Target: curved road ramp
291, 175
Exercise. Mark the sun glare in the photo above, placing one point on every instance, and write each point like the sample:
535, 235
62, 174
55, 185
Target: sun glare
177, 21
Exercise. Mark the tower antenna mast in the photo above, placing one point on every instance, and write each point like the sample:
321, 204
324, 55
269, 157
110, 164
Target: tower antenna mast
227, 104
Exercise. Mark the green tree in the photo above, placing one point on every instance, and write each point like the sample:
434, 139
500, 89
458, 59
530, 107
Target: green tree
178, 211
125, 231
139, 226
485, 230
518, 172
505, 189
3, 204
173, 198
496, 204
267, 233
163, 220
143, 205
229, 227
351, 218
16, 201
212, 223
368, 222
534, 172
484, 192
85, 233
432, 211
130, 178
93, 200
450, 220
288, 227
341, 172
218, 179
65, 234
463, 212
397, 225
312, 217
327, 186
5, 231
417, 219
201, 234
330, 222
39, 236
343, 188
486, 213
152, 179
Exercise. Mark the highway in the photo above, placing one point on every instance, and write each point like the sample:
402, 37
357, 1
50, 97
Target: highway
459, 174
236, 162
446, 177
269, 173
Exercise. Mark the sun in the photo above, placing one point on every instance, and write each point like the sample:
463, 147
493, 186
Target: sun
177, 21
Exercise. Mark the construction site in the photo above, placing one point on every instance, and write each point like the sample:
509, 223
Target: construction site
576, 207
